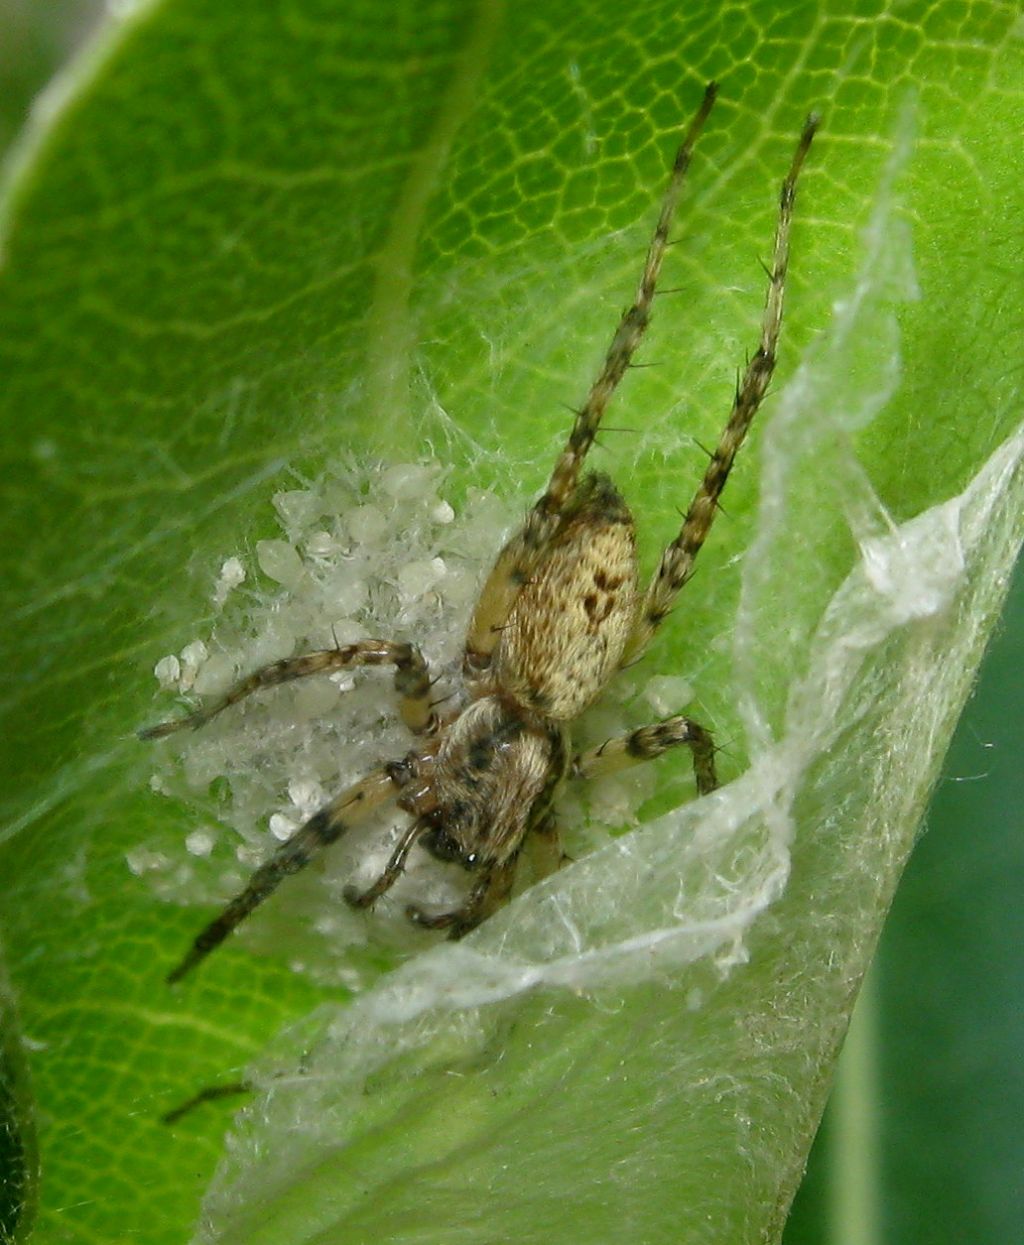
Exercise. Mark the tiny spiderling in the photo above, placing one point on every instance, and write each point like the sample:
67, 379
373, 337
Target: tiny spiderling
561, 612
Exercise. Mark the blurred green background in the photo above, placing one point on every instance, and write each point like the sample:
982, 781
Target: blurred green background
923, 1141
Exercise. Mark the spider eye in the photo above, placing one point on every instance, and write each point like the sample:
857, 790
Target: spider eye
440, 844
444, 846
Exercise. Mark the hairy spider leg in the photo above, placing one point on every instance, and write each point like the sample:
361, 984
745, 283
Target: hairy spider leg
412, 683
545, 846
677, 561
487, 896
629, 333
392, 870
525, 551
322, 829
646, 744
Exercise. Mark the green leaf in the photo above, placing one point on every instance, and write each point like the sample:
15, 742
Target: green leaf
236, 239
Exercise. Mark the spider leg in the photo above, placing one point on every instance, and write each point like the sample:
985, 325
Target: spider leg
322, 829
677, 561
545, 846
412, 683
392, 870
489, 893
520, 557
629, 333
647, 743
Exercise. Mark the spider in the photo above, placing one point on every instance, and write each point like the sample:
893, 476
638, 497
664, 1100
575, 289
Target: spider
560, 613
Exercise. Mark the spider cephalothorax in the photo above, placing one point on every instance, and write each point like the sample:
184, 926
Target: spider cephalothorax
560, 613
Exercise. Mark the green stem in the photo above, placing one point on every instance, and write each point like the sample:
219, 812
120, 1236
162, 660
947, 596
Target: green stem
853, 1203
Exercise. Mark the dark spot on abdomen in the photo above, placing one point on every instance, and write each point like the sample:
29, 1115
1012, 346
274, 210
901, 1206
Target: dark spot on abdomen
598, 608
606, 582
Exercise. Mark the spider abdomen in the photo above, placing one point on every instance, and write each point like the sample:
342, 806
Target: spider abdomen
567, 631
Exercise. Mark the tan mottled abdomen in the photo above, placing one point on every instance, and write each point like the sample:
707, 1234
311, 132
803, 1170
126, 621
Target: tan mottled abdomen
566, 634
